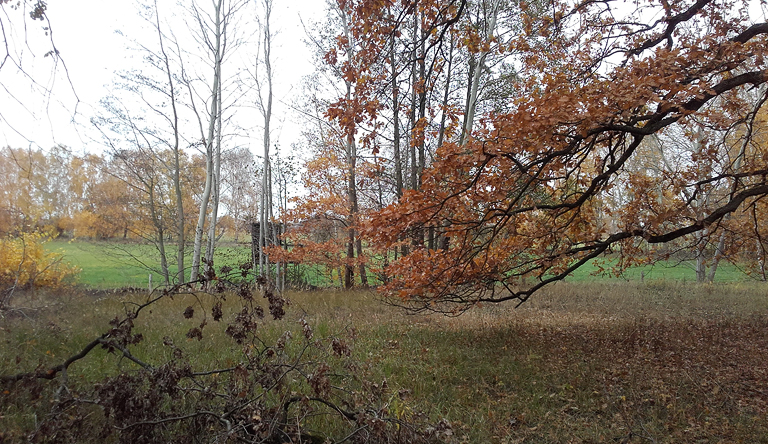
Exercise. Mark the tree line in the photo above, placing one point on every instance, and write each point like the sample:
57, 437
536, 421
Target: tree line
122, 195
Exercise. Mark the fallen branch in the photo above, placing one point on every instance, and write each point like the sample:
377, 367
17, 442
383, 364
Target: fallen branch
53, 371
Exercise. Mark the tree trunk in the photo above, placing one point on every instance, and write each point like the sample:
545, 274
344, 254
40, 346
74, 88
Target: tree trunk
176, 170
266, 180
211, 247
716, 259
701, 263
761, 259
159, 231
446, 94
351, 159
209, 141
396, 122
422, 111
361, 266
414, 100
474, 85
349, 270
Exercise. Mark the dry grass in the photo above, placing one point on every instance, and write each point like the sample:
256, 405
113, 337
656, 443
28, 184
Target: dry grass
587, 362
590, 362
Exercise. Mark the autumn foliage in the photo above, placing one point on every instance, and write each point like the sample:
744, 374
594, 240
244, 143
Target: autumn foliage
25, 263
554, 170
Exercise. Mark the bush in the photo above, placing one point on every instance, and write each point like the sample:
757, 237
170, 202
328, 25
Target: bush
25, 264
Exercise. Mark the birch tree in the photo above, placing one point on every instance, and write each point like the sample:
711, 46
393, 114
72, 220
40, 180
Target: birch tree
263, 75
157, 127
215, 32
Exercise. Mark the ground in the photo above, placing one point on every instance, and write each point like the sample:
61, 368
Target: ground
581, 362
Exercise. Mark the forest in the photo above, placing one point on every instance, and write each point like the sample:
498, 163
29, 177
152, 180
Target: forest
455, 157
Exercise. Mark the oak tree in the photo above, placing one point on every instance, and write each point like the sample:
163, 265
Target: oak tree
521, 200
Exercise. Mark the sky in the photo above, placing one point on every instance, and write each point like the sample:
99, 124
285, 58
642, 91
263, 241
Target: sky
84, 32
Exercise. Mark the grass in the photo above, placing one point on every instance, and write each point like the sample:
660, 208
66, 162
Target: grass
128, 264
594, 362
110, 264
116, 265
670, 270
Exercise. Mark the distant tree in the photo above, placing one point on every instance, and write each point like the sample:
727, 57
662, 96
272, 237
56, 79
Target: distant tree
240, 188
35, 190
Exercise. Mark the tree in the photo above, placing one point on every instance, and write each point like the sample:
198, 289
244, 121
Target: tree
36, 190
213, 35
240, 189
163, 62
267, 234
320, 221
106, 201
520, 200
393, 73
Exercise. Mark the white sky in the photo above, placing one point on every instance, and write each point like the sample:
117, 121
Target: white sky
84, 34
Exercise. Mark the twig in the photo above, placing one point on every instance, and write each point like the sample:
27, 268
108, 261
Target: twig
179, 418
354, 432
126, 353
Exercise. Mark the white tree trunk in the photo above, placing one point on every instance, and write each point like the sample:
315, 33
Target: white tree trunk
266, 110
209, 141
471, 105
176, 166
216, 190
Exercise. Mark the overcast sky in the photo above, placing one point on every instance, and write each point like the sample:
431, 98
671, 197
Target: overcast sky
84, 33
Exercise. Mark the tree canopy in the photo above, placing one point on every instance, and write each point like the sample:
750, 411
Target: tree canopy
550, 180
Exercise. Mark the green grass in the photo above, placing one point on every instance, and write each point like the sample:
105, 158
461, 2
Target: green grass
581, 362
111, 264
128, 264
104, 265
116, 265
671, 270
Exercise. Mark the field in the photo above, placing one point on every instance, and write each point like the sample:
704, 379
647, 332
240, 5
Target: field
109, 265
584, 362
115, 265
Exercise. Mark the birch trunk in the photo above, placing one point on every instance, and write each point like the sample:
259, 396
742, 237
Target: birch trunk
180, 238
474, 86
160, 232
216, 192
209, 141
266, 179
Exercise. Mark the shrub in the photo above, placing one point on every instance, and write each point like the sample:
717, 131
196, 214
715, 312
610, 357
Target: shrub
25, 264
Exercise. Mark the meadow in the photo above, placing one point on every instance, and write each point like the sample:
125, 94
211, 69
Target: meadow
110, 265
581, 362
107, 265
657, 359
